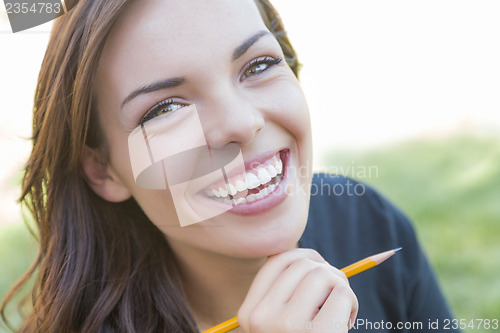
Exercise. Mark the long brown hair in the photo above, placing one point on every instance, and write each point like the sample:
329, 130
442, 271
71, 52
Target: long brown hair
101, 266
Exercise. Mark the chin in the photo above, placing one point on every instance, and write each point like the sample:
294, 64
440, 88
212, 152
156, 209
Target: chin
279, 236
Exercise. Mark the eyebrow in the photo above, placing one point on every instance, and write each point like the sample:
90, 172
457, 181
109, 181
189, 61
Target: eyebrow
240, 50
175, 82
170, 83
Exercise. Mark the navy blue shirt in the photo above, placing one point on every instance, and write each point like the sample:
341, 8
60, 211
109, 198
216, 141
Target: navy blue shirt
349, 221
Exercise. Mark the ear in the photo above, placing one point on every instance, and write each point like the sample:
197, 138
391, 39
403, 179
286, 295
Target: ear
102, 178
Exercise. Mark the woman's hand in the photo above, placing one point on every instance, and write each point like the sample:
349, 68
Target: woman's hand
298, 291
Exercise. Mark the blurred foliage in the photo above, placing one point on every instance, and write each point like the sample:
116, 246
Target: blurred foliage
450, 189
18, 250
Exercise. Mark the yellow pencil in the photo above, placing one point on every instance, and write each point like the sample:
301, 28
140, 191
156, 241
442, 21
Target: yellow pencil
349, 271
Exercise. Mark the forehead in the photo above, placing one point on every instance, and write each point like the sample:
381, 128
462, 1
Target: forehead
187, 20
162, 36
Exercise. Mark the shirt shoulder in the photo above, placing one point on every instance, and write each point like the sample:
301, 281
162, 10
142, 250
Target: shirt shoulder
349, 219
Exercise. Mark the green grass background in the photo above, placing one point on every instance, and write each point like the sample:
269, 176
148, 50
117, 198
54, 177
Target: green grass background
450, 188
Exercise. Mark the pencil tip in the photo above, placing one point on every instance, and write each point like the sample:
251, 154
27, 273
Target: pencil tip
398, 249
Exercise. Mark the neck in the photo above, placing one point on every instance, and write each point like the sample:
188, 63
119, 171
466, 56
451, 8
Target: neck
215, 285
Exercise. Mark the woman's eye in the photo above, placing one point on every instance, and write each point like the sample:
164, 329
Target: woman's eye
259, 65
256, 69
164, 107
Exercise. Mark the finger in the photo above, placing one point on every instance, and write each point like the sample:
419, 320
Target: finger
276, 264
286, 284
273, 268
339, 310
267, 277
304, 275
314, 290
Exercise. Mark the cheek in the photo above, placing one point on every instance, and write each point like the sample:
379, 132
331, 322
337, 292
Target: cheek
156, 204
295, 113
285, 105
290, 111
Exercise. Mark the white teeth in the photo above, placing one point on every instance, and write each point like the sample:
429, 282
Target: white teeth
251, 198
223, 192
252, 181
265, 191
263, 175
259, 195
240, 185
231, 189
272, 170
279, 166
258, 176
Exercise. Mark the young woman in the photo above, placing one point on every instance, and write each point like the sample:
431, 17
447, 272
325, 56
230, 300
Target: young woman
113, 255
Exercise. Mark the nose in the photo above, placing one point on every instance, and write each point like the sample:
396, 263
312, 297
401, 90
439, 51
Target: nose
230, 117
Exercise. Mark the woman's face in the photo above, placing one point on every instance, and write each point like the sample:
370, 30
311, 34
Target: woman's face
219, 56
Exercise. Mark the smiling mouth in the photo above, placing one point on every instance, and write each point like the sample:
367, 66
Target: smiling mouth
255, 184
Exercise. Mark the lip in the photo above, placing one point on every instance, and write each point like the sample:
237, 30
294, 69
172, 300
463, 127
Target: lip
260, 159
261, 205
